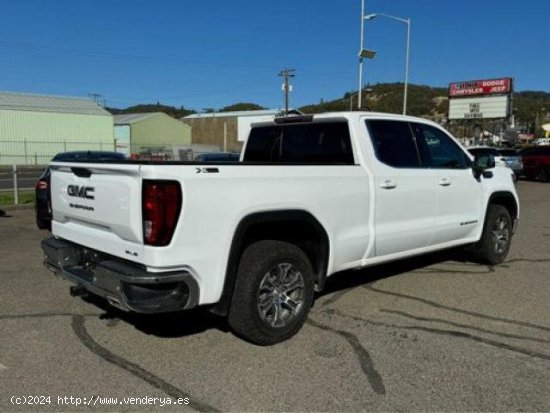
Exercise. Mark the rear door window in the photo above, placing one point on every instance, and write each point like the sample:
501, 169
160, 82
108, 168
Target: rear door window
394, 143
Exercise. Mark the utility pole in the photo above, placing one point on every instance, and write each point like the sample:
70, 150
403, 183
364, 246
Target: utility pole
96, 97
287, 87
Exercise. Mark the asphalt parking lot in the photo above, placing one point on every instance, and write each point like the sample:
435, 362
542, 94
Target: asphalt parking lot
432, 333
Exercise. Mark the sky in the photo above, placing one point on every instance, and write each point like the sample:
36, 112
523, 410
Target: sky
213, 53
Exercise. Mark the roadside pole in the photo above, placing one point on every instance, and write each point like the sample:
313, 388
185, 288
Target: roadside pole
15, 187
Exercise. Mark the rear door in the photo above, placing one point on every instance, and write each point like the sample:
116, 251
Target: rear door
98, 205
406, 193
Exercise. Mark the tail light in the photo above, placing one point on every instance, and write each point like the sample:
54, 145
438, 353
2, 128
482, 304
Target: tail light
42, 185
161, 204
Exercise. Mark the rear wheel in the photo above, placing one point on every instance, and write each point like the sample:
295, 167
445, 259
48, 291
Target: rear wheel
273, 292
495, 241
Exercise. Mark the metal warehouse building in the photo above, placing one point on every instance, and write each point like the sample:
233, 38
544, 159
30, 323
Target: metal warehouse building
33, 128
136, 131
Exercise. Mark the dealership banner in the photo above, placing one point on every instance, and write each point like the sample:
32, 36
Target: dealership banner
480, 87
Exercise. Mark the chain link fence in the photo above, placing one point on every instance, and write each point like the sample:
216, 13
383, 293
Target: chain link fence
22, 162
32, 152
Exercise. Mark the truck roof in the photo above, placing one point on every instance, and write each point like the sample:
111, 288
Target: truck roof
355, 116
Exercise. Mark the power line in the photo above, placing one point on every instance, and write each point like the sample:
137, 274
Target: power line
91, 53
96, 97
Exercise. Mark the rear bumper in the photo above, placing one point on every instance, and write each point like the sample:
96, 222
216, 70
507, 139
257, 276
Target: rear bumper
124, 285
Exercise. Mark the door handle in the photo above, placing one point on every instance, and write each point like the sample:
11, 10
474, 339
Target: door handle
388, 184
445, 182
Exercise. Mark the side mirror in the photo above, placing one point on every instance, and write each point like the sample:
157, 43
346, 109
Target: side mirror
481, 165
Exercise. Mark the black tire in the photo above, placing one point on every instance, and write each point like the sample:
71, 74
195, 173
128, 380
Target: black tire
262, 263
545, 175
496, 238
43, 224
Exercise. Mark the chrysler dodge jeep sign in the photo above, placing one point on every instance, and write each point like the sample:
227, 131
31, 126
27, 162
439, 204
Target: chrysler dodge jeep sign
480, 99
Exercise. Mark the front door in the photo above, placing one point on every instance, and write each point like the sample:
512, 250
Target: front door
459, 193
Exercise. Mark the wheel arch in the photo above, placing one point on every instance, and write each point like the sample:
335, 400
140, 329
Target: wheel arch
508, 201
296, 226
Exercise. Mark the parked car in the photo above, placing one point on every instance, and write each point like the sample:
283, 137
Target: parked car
536, 162
488, 150
42, 189
502, 157
217, 157
512, 159
253, 241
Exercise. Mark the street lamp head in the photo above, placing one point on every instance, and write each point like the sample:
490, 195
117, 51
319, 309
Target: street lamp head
370, 16
366, 53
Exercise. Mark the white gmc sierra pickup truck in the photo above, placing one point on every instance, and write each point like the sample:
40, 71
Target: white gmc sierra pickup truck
255, 239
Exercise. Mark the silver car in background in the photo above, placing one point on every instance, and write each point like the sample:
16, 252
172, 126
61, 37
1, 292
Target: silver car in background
512, 159
503, 157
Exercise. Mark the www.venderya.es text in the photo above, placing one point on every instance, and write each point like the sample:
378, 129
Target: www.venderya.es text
94, 400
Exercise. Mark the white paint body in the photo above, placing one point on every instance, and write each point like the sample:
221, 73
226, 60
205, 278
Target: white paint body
366, 224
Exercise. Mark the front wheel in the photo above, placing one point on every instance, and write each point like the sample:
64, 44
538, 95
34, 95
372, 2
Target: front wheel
273, 292
495, 241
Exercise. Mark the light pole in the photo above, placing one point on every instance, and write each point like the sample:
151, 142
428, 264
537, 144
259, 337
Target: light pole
407, 21
367, 90
360, 58
363, 53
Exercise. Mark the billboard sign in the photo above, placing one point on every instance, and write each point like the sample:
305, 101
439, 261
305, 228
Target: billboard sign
483, 107
480, 87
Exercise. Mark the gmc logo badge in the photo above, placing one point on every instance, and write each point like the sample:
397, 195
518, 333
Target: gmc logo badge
81, 191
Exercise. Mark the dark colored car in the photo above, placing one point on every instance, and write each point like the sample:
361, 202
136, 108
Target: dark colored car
42, 190
218, 157
536, 162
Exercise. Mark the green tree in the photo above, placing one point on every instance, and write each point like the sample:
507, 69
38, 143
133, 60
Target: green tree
242, 106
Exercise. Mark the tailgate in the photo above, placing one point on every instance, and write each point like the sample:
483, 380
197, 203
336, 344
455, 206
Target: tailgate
97, 205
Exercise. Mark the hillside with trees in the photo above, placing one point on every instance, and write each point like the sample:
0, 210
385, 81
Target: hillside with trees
241, 106
158, 107
531, 108
182, 111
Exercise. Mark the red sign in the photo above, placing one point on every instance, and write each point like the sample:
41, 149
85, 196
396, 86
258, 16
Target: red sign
480, 87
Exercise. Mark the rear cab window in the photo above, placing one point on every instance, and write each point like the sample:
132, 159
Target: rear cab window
394, 143
318, 143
